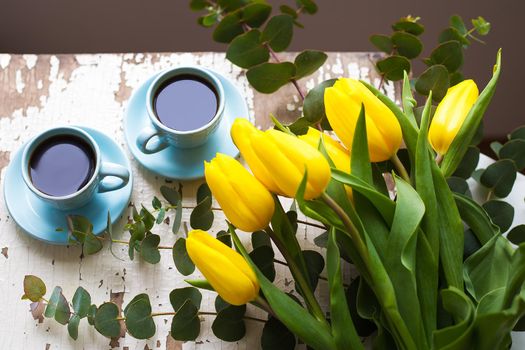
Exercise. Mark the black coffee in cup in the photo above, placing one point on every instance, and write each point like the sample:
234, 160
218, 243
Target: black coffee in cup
61, 165
185, 102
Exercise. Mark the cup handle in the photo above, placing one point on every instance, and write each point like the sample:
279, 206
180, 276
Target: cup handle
116, 170
144, 138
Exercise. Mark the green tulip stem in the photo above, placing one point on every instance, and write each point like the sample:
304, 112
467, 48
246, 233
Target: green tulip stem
261, 303
304, 285
400, 168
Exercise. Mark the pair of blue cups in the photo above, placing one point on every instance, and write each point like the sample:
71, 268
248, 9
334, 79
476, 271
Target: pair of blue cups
151, 139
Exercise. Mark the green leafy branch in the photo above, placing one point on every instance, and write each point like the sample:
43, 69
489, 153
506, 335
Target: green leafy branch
239, 23
444, 62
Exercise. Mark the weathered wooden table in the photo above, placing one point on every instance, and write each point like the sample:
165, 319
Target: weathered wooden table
38, 92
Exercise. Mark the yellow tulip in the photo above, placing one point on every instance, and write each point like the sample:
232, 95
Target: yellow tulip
244, 200
226, 270
450, 114
343, 105
337, 153
279, 160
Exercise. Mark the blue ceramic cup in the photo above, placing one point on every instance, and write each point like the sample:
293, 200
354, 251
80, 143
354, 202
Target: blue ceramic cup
158, 136
96, 184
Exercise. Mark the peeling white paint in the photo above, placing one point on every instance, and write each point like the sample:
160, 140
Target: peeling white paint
4, 60
19, 82
30, 61
39, 84
353, 70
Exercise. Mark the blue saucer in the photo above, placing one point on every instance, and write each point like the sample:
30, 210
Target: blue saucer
40, 220
177, 163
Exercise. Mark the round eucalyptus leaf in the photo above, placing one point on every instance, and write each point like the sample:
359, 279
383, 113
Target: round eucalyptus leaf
209, 20
275, 335
309, 6
106, 322
139, 322
453, 34
81, 302
155, 203
92, 244
197, 5
393, 67
449, 54
434, 79
247, 51
499, 177
514, 150
224, 237
288, 10
300, 125
149, 249
382, 42
72, 326
278, 32
220, 305
481, 25
313, 106
314, 264
459, 185
409, 27
201, 216
406, 44
501, 213
92, 311
202, 192
468, 163
231, 5
455, 78
160, 216
518, 133
170, 194
470, 244
58, 307
229, 324
517, 234
307, 62
496, 146
262, 257
363, 326
457, 23
256, 14
228, 28
322, 240
181, 258
180, 295
269, 77
260, 239
186, 325
147, 218
34, 288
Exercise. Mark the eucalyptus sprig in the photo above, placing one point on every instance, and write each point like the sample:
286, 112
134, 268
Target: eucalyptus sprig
444, 62
254, 36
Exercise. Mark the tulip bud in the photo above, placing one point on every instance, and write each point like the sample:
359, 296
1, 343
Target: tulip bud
450, 115
337, 153
226, 270
279, 160
244, 200
343, 104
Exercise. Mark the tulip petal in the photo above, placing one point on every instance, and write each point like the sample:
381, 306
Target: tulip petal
242, 132
225, 269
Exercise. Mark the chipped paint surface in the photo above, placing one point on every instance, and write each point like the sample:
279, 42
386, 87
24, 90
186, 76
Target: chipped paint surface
38, 92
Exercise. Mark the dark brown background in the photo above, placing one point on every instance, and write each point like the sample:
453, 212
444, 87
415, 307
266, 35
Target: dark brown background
71, 26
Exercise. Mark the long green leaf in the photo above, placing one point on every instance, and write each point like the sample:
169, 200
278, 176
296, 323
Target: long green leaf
428, 279
343, 329
292, 315
401, 258
408, 100
476, 218
461, 142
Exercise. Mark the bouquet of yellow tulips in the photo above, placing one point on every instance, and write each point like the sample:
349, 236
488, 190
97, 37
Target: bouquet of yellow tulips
406, 240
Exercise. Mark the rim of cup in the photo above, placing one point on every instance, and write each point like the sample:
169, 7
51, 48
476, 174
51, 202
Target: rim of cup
38, 139
170, 73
